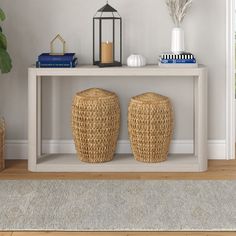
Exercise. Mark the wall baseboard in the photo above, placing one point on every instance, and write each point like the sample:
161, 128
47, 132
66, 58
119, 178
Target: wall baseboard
17, 149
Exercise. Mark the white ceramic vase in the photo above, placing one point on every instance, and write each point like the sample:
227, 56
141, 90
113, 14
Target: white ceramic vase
177, 42
136, 60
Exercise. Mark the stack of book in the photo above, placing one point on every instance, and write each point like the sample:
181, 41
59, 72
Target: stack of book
46, 60
178, 60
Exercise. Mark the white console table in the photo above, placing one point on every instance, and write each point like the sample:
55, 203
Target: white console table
38, 162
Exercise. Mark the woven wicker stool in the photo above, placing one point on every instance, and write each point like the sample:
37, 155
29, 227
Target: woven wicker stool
150, 125
2, 144
95, 124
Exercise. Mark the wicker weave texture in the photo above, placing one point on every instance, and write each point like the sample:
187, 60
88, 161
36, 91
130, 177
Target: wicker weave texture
150, 125
2, 144
95, 124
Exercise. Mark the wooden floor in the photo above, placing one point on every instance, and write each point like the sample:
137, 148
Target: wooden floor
218, 170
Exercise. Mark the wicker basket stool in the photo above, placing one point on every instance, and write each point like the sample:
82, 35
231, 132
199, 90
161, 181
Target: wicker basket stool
2, 144
150, 125
95, 124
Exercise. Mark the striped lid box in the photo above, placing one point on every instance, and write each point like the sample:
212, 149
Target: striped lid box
171, 56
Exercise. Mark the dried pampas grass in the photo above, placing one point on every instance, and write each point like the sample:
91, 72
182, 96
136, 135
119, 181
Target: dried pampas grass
178, 10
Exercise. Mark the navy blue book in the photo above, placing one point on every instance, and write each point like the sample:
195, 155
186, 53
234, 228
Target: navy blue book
177, 61
47, 57
57, 64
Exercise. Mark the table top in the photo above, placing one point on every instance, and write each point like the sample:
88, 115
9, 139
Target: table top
90, 70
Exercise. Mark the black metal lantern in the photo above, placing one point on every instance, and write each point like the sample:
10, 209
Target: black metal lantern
107, 37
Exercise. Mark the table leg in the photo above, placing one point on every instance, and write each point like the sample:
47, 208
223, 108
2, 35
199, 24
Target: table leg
39, 115
201, 138
34, 119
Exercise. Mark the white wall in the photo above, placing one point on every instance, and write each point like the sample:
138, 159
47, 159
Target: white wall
31, 24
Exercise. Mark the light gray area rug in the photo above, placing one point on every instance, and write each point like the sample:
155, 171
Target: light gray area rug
118, 205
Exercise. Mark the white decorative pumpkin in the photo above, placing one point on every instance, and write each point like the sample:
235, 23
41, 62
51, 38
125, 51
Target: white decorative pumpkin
136, 60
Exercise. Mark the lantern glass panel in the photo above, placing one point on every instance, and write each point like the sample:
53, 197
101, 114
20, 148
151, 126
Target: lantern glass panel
96, 40
117, 40
107, 31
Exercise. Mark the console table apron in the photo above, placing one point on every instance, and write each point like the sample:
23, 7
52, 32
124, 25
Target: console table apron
38, 162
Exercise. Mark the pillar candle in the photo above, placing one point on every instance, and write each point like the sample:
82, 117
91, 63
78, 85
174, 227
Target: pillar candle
107, 52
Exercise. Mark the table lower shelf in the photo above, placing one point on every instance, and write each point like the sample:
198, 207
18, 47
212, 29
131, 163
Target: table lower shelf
121, 163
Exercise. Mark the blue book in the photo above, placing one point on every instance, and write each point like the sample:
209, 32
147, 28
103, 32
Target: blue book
47, 57
56, 62
177, 61
62, 64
